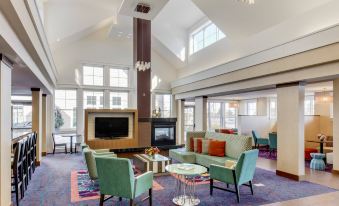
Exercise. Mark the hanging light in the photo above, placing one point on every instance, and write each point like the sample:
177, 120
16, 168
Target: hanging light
247, 1
142, 65
233, 105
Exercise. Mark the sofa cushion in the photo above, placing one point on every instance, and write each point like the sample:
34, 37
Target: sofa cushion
216, 148
207, 160
237, 144
199, 145
196, 143
205, 145
182, 155
194, 135
191, 144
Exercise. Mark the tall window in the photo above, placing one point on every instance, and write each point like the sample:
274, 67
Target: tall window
93, 99
206, 35
273, 108
118, 77
251, 107
93, 76
164, 102
230, 116
309, 105
21, 115
65, 104
118, 100
214, 115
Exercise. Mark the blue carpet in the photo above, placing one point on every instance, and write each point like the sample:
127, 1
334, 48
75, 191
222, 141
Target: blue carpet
51, 186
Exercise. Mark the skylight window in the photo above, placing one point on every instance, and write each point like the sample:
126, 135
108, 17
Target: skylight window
204, 36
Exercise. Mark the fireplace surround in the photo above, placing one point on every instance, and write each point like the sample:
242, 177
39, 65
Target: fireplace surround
163, 131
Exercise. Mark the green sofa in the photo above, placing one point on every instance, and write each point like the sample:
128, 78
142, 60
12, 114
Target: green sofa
235, 146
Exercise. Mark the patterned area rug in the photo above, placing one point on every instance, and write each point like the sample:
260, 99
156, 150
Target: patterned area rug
83, 188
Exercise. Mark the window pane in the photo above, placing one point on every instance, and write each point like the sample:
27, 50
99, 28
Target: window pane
119, 100
93, 76
164, 103
118, 77
65, 109
92, 99
214, 115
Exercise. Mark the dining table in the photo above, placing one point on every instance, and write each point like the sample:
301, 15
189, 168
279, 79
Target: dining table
70, 136
321, 143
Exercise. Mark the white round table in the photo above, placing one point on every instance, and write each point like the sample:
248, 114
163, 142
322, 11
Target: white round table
184, 193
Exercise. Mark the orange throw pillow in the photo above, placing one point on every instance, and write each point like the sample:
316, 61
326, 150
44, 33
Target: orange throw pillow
199, 145
217, 148
191, 144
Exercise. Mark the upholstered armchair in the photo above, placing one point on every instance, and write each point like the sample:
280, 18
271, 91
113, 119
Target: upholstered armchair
259, 140
242, 173
116, 178
89, 156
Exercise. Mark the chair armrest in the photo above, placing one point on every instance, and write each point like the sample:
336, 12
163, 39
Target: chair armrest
221, 173
143, 182
101, 150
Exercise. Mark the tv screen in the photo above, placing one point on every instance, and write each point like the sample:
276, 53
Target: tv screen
111, 127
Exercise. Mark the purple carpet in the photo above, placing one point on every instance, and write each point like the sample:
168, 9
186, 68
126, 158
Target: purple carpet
263, 153
51, 186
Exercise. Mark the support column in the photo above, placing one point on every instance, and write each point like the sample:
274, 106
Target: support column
37, 120
290, 121
180, 121
44, 125
5, 130
200, 118
80, 112
336, 126
49, 122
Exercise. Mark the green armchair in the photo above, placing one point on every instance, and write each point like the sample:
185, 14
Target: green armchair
89, 156
259, 140
242, 173
116, 178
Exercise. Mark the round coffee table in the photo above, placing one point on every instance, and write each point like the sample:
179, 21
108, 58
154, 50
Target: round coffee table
184, 193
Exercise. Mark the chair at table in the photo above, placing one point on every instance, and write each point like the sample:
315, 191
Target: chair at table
55, 145
116, 178
272, 137
89, 156
18, 178
259, 140
242, 173
78, 142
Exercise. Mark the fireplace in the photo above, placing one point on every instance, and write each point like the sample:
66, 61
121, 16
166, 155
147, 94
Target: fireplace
163, 131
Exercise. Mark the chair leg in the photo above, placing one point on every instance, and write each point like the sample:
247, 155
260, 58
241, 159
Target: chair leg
211, 187
131, 202
237, 192
227, 185
120, 199
102, 197
150, 196
251, 186
54, 150
65, 149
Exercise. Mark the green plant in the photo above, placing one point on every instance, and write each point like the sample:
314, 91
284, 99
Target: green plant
58, 120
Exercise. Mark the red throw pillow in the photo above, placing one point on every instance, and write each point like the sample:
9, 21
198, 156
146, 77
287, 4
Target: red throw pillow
191, 144
217, 148
199, 145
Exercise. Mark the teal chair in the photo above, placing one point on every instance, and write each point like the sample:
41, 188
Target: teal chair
242, 173
89, 156
272, 138
259, 140
116, 178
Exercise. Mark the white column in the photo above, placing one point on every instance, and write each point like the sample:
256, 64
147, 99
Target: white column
44, 125
49, 122
37, 120
107, 99
290, 121
336, 125
180, 121
200, 118
5, 132
80, 112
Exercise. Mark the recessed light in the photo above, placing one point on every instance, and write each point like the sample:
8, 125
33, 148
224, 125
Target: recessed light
120, 32
119, 35
58, 39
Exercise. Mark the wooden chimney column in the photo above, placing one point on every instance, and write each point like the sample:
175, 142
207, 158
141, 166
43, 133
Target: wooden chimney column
142, 52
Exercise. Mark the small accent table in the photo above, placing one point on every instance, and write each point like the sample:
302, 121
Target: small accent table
156, 163
317, 161
185, 182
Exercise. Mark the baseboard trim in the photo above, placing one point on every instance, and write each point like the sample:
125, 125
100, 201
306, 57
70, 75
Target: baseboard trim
44, 154
290, 176
37, 163
335, 172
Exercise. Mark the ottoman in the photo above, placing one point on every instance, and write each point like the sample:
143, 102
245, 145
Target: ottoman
317, 161
308, 151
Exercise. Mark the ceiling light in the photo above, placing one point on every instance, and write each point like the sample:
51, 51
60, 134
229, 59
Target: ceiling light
58, 39
247, 1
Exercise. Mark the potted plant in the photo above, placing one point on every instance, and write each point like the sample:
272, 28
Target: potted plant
152, 151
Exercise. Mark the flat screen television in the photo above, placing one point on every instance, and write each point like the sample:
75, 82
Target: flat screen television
111, 127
